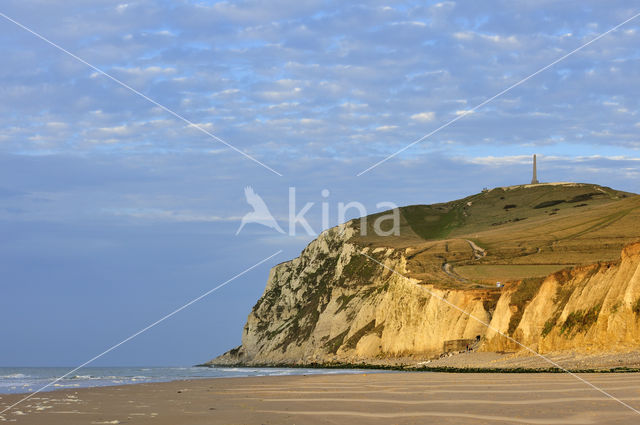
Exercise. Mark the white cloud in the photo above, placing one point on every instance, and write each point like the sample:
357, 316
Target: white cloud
423, 116
496, 161
463, 35
119, 130
499, 160
499, 39
204, 125
494, 38
386, 128
445, 4
57, 125
166, 33
411, 23
261, 76
352, 105
154, 214
310, 121
149, 70
284, 105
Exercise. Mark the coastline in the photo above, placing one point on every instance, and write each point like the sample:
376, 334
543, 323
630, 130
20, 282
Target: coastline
402, 398
24, 380
435, 369
476, 362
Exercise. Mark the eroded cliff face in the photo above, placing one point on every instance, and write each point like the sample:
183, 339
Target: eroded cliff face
334, 304
588, 309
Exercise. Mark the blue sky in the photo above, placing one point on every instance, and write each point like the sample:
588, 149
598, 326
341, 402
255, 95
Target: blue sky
113, 212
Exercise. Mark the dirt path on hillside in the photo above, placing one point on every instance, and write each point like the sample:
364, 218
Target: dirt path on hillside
478, 253
448, 269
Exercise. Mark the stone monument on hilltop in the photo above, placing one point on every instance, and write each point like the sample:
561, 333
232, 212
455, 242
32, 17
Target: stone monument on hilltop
535, 172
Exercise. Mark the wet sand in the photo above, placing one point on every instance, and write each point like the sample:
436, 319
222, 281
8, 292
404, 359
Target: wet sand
377, 398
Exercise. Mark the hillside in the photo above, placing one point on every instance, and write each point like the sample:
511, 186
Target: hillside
555, 247
526, 231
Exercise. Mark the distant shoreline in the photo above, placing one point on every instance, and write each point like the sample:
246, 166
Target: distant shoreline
473, 362
439, 369
278, 370
29, 379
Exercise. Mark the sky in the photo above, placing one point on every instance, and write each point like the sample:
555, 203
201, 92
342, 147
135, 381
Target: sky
114, 211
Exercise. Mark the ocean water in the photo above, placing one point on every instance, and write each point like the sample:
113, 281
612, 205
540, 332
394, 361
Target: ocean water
29, 379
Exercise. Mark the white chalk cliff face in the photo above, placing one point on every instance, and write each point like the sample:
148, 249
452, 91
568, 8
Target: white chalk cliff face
333, 304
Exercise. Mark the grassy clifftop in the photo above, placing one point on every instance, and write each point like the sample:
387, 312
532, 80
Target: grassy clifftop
527, 231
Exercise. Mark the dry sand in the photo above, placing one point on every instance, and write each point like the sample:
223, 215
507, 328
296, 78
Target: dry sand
372, 398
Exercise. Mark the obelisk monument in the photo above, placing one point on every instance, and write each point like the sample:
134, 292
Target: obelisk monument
535, 172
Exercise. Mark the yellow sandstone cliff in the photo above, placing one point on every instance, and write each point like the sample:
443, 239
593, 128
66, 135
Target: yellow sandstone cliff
594, 308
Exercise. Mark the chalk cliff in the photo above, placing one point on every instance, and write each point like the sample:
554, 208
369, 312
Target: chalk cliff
335, 304
346, 300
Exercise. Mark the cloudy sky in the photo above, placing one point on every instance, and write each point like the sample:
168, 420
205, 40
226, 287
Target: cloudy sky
114, 211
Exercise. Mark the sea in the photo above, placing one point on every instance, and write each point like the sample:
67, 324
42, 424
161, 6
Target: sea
29, 379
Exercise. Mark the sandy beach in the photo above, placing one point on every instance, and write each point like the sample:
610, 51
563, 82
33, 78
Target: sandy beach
371, 398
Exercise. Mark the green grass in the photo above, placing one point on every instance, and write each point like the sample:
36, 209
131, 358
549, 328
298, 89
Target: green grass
432, 222
491, 302
352, 342
563, 293
580, 320
505, 272
344, 300
548, 326
360, 269
616, 307
636, 307
334, 343
527, 289
548, 204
